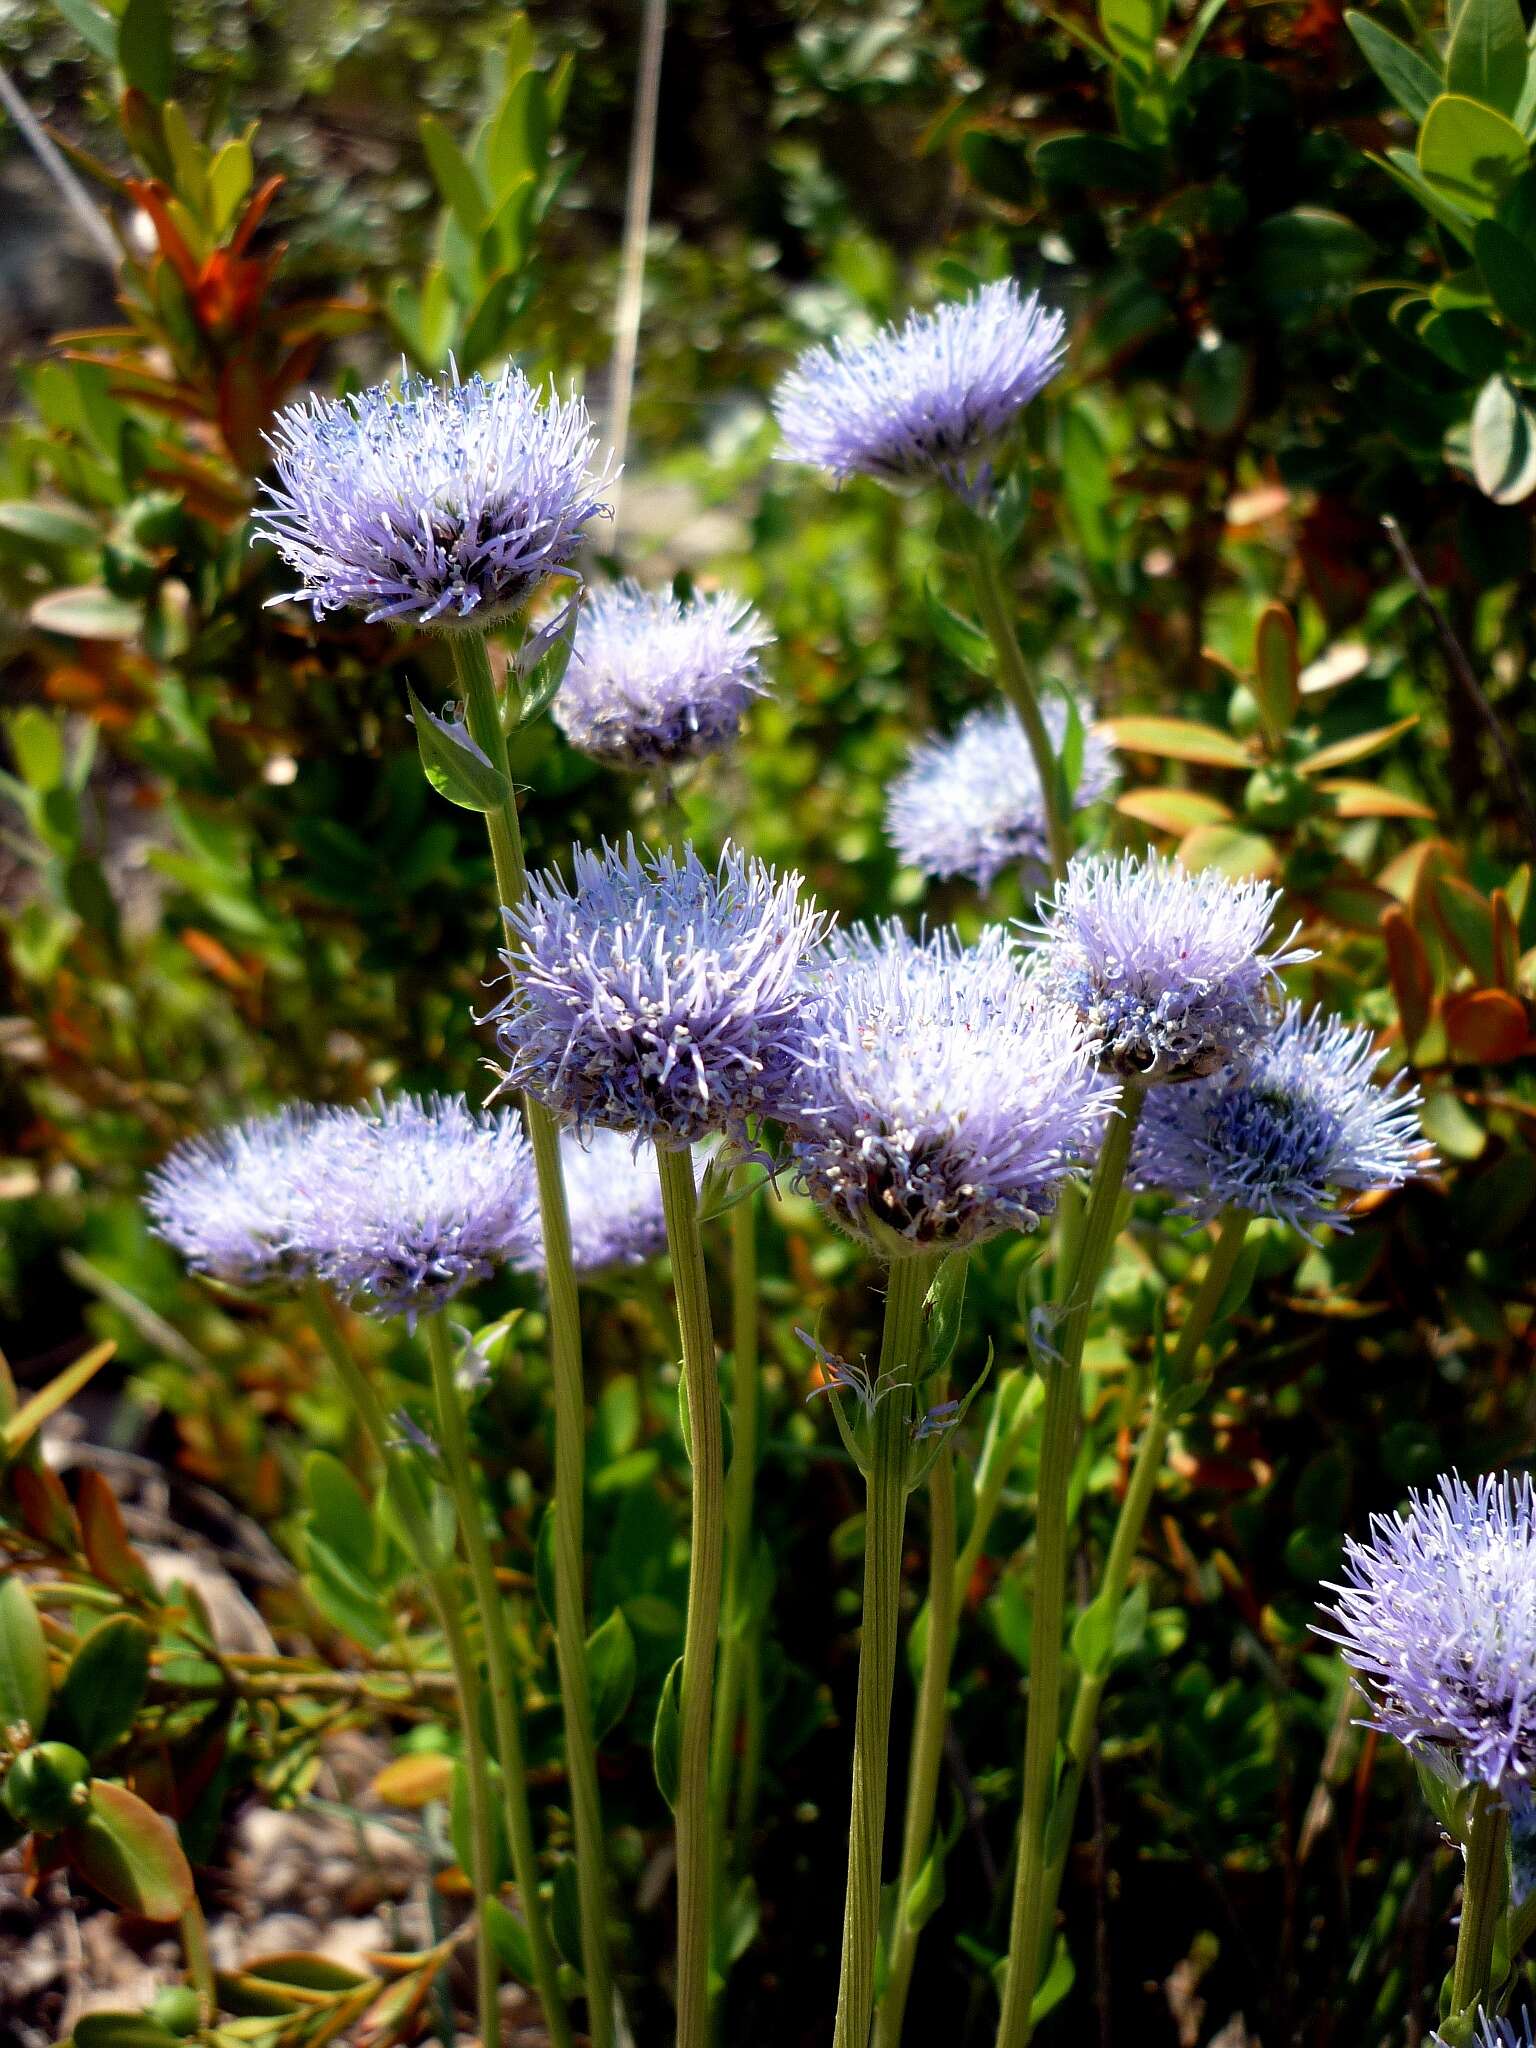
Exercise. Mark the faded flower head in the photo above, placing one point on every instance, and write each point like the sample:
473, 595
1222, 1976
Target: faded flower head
444, 503
942, 1099
1163, 965
656, 995
1437, 1620
971, 804
1304, 1122
613, 1195
417, 1197
654, 680
927, 400
238, 1203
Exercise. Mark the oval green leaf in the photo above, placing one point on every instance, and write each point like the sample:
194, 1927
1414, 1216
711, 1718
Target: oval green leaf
131, 1854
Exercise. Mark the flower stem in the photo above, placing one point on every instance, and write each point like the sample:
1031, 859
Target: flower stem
1482, 1900
885, 1517
1058, 1442
701, 1391
454, 1436
411, 1518
927, 1742
1128, 1531
482, 715
745, 1401
1017, 685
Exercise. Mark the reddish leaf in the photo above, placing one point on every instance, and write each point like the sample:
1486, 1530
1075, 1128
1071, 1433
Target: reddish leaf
110, 1555
45, 1510
131, 1855
1487, 1025
1413, 983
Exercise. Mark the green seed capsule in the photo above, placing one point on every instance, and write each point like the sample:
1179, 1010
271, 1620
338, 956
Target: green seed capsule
45, 1786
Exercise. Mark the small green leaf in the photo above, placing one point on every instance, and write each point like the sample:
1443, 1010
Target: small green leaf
1412, 82
144, 48
565, 1911
666, 1743
454, 765
131, 1854
1276, 681
52, 526
509, 1938
1132, 27
339, 1512
1176, 739
1093, 1638
1099, 163
25, 1689
103, 1688
943, 1308
95, 27
956, 635
1509, 270
1470, 153
230, 176
461, 1825
87, 612
455, 178
1503, 443
1307, 260
122, 2030
1487, 56
1231, 851
610, 1672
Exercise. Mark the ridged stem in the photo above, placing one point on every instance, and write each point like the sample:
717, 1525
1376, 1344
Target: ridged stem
483, 717
1482, 1900
885, 1515
1058, 1444
927, 1743
739, 1485
701, 1393
411, 1519
453, 1433
1016, 683
1130, 1524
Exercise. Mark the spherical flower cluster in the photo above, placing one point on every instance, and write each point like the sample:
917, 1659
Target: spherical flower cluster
927, 400
1304, 1121
1437, 1620
654, 681
238, 1203
655, 995
613, 1196
941, 1099
1492, 2033
397, 1206
445, 503
971, 804
1163, 965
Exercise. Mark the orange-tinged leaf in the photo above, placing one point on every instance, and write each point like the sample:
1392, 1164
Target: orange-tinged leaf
1487, 1025
44, 1507
110, 1555
1231, 850
1413, 983
1176, 739
213, 954
131, 1854
1370, 800
1172, 810
1404, 876
31, 1416
1353, 902
1363, 744
1276, 668
414, 1780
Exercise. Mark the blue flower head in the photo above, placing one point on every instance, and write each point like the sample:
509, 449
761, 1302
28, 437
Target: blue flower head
238, 1203
654, 681
397, 1206
1305, 1122
971, 804
444, 503
1437, 1620
928, 400
1492, 2033
1163, 965
942, 1099
613, 1196
656, 995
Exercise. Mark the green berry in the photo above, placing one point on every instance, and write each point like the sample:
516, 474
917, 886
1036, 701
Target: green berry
1277, 798
45, 1786
178, 2009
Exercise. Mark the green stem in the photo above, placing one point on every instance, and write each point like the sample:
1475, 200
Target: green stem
194, 1946
745, 1401
1058, 1442
1017, 685
927, 1742
884, 1521
701, 1389
1129, 1526
411, 1518
454, 1434
1482, 1901
482, 715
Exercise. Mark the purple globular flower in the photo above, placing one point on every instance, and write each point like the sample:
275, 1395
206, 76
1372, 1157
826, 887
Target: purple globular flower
1492, 2033
417, 1197
942, 1098
1305, 1122
927, 400
238, 1203
654, 681
613, 1196
1437, 1622
655, 995
971, 804
444, 503
1163, 965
